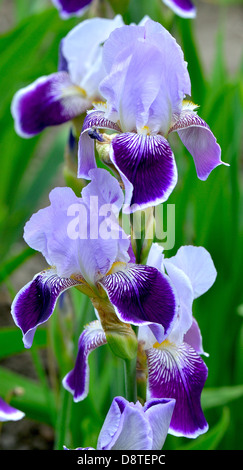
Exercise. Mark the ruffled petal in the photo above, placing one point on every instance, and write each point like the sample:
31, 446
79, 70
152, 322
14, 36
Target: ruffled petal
77, 380
197, 264
8, 413
200, 142
86, 151
68, 8
147, 167
180, 373
49, 101
35, 302
142, 295
193, 337
183, 8
83, 50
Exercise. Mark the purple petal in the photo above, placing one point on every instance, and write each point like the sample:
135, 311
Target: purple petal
147, 77
142, 295
180, 373
183, 8
86, 152
125, 428
8, 413
159, 413
147, 167
68, 8
200, 142
49, 101
77, 380
35, 302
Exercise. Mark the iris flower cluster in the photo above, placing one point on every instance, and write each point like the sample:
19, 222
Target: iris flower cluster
131, 86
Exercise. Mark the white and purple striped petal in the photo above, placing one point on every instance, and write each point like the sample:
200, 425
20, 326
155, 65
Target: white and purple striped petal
183, 8
147, 167
36, 301
68, 8
77, 380
142, 295
86, 152
178, 372
199, 141
49, 101
9, 413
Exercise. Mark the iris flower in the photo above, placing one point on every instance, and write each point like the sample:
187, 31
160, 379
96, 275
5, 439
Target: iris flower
131, 426
85, 247
8, 412
145, 89
68, 8
61, 96
174, 366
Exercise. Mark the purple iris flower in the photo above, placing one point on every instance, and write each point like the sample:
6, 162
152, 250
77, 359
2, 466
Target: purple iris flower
131, 426
60, 97
8, 413
68, 8
175, 366
85, 247
183, 8
145, 86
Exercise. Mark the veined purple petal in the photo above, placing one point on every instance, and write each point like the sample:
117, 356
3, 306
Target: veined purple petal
147, 167
86, 152
49, 101
35, 302
199, 141
68, 8
77, 380
183, 8
8, 413
180, 373
142, 295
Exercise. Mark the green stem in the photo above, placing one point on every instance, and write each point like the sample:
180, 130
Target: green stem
62, 425
130, 380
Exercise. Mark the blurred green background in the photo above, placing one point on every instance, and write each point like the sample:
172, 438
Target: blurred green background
207, 213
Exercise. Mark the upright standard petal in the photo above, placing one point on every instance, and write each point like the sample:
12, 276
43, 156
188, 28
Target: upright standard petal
183, 8
125, 428
179, 373
35, 302
142, 295
49, 101
9, 413
199, 141
77, 380
197, 264
68, 8
147, 167
159, 412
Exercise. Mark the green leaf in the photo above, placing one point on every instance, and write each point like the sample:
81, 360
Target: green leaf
221, 396
15, 262
12, 343
28, 396
211, 439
